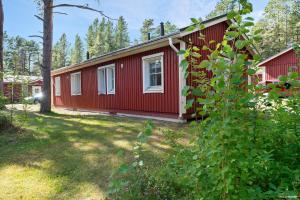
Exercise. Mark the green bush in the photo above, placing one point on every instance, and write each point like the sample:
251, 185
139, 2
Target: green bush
3, 102
4, 122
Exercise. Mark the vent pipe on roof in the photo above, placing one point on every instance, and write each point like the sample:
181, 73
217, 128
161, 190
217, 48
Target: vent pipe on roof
87, 55
149, 36
162, 29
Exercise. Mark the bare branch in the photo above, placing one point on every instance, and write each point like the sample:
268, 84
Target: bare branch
62, 13
36, 36
38, 17
85, 7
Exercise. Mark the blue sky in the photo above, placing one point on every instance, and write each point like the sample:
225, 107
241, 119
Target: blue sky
19, 19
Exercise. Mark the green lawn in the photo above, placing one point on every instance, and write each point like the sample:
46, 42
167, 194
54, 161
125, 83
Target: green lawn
69, 157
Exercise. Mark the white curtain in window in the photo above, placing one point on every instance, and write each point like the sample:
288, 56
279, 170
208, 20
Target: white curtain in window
110, 80
57, 86
101, 81
76, 84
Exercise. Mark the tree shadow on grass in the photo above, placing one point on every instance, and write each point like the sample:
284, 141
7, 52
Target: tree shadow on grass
78, 150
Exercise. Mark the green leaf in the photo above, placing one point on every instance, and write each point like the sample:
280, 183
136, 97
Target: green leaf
249, 18
251, 71
181, 52
195, 21
185, 90
204, 64
240, 44
257, 57
282, 78
197, 92
205, 48
190, 28
233, 34
184, 64
231, 14
189, 103
248, 24
196, 48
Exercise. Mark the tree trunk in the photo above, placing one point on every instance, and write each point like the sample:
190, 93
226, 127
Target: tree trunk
47, 56
1, 47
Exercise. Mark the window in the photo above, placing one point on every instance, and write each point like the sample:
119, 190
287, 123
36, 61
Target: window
153, 77
101, 81
57, 86
76, 84
106, 79
110, 77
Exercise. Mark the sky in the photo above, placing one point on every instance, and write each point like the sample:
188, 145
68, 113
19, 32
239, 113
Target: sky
20, 20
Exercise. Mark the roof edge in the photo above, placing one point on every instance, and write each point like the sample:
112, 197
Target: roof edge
153, 42
275, 56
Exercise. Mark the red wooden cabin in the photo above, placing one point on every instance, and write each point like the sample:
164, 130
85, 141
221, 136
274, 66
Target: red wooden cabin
277, 65
15, 88
143, 80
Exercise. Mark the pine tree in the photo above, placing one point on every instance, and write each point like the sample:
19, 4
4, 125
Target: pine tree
91, 37
147, 28
98, 48
61, 54
223, 7
280, 26
108, 38
77, 51
121, 34
19, 54
55, 56
135, 41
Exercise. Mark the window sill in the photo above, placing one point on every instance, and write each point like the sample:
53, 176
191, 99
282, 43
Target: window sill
153, 90
75, 94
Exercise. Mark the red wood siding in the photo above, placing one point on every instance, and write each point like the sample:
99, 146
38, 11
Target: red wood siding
215, 33
16, 89
129, 87
280, 65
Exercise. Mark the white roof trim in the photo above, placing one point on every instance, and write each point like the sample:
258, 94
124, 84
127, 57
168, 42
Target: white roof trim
275, 56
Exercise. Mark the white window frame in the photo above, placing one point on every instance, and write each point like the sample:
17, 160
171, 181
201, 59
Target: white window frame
111, 66
57, 88
146, 87
99, 82
73, 74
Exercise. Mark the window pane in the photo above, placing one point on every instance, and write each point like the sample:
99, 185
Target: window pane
57, 86
158, 67
101, 81
76, 84
155, 80
152, 67
110, 79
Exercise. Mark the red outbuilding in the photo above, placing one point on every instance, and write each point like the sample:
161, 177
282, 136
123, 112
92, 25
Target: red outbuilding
278, 65
144, 80
17, 87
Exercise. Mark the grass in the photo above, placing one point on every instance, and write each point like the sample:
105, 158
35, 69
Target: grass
69, 157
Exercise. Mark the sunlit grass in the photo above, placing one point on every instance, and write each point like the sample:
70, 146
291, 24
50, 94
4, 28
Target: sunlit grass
69, 157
